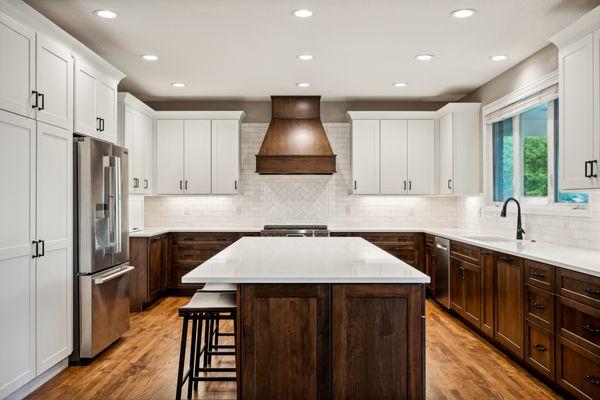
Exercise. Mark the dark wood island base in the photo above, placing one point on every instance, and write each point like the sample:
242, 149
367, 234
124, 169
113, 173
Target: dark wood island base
331, 341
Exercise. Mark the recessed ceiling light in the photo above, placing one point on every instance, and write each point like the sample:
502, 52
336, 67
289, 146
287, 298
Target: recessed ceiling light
106, 14
499, 58
303, 84
424, 57
463, 13
149, 57
305, 57
399, 84
178, 84
303, 13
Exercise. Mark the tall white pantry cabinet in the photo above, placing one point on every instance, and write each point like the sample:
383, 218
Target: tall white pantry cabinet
37, 111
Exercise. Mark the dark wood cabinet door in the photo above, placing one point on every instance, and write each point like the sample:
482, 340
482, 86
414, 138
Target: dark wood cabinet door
577, 370
430, 266
154, 267
472, 280
165, 263
457, 286
487, 306
508, 290
378, 337
287, 328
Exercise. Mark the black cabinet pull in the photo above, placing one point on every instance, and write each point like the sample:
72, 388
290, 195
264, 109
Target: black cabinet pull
145, 183
537, 275
592, 291
35, 96
43, 102
539, 347
43, 253
586, 169
37, 249
409, 185
180, 185
136, 183
592, 379
234, 185
404, 185
185, 184
592, 173
590, 328
449, 181
506, 259
354, 185
539, 306
102, 124
97, 124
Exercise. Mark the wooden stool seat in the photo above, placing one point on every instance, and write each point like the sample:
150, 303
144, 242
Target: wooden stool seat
219, 287
210, 302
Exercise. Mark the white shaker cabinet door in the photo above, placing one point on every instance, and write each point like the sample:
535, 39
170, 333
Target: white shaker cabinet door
148, 156
17, 68
421, 157
86, 117
169, 157
54, 272
54, 80
365, 156
225, 156
107, 110
138, 153
447, 154
17, 267
197, 157
128, 138
576, 114
393, 156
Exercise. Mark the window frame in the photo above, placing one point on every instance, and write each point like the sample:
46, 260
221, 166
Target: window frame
530, 205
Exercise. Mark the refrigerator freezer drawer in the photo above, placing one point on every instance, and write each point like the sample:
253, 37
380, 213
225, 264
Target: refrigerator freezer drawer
104, 309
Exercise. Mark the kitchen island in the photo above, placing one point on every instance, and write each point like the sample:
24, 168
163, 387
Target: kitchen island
323, 318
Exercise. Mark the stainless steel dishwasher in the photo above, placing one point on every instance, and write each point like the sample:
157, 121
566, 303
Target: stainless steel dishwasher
442, 271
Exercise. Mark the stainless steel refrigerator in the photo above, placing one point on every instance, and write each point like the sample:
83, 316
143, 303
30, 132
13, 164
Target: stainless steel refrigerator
101, 256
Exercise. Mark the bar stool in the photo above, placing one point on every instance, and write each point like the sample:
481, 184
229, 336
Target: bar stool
214, 327
200, 310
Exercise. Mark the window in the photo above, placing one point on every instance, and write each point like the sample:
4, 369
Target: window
525, 157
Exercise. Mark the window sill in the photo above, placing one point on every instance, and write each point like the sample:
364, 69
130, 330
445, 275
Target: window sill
556, 210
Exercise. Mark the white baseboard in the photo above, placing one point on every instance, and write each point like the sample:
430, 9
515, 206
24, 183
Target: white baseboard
35, 383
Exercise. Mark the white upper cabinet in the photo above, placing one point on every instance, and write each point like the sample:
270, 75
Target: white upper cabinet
365, 156
169, 156
197, 157
137, 154
394, 152
17, 69
17, 286
459, 149
95, 103
421, 157
446, 154
579, 110
225, 156
54, 84
148, 157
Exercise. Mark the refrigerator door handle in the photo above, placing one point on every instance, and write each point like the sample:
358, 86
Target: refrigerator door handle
115, 209
105, 278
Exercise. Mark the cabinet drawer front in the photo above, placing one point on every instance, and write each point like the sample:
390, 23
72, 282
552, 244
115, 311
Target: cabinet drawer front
396, 238
465, 252
580, 287
178, 273
579, 323
429, 240
577, 370
406, 255
539, 307
194, 254
539, 275
539, 350
194, 238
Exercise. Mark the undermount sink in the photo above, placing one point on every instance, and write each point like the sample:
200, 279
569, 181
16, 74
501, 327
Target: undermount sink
490, 239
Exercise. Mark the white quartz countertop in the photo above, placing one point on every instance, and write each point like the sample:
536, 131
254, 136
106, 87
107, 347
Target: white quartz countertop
304, 260
572, 258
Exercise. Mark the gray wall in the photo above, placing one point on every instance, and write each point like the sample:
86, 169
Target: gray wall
260, 111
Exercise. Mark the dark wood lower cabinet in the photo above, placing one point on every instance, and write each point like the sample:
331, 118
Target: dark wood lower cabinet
539, 349
466, 290
429, 268
577, 370
508, 309
487, 306
147, 255
321, 341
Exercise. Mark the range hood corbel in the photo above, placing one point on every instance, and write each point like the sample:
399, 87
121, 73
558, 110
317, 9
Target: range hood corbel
295, 142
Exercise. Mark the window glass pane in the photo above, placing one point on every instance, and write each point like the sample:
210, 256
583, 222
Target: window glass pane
533, 128
502, 137
563, 197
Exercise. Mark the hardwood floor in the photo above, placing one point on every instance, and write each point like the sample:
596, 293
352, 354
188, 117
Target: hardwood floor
143, 365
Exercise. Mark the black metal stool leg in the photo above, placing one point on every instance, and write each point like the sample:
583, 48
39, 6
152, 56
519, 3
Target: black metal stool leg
206, 336
181, 357
217, 323
192, 361
211, 337
198, 344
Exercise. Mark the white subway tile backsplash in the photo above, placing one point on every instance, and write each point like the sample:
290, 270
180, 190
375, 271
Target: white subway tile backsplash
289, 199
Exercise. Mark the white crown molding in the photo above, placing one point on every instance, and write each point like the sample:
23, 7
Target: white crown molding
131, 100
458, 107
236, 115
528, 90
581, 27
356, 115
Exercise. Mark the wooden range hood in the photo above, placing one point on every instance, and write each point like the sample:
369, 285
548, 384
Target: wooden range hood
296, 142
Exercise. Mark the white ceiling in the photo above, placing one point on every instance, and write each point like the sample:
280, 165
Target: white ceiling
242, 49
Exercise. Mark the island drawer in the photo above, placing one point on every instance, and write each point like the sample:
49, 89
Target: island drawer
539, 275
465, 252
577, 370
579, 323
539, 307
539, 349
577, 286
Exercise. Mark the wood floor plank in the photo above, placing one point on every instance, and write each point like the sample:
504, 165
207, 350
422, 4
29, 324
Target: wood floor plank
143, 364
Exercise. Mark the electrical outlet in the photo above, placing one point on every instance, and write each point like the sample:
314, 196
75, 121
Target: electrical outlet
187, 211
